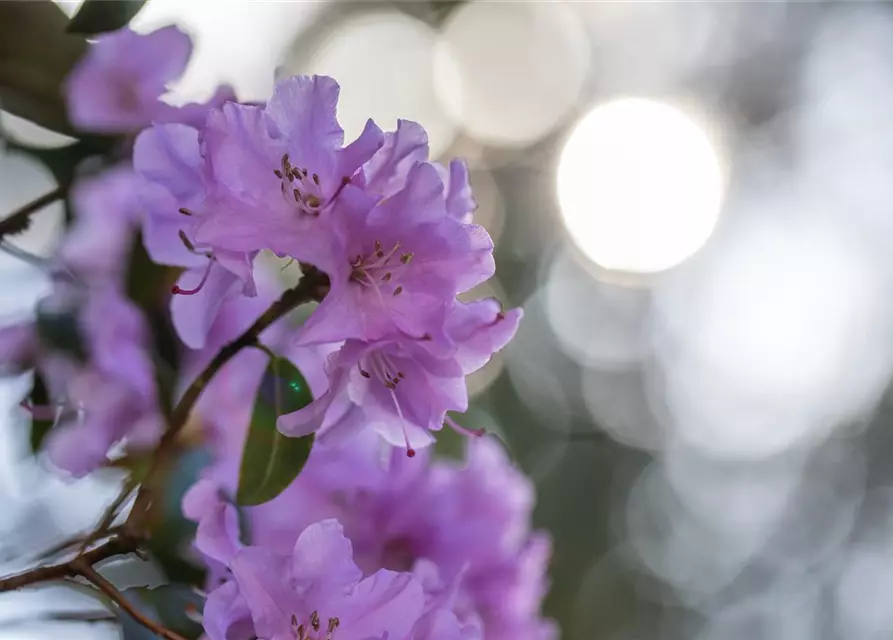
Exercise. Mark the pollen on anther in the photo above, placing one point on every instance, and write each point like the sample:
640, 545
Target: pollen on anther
406, 258
398, 290
386, 277
316, 179
185, 211
278, 173
297, 195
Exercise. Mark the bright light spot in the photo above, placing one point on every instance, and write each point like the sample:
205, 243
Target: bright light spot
235, 42
775, 337
509, 73
392, 78
597, 323
639, 186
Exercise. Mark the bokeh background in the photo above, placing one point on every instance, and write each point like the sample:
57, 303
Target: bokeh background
693, 202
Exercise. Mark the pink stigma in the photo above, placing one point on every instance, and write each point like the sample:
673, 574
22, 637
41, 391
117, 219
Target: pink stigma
176, 290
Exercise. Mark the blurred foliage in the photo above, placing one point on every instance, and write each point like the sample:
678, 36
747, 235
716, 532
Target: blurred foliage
101, 16
39, 397
173, 534
36, 54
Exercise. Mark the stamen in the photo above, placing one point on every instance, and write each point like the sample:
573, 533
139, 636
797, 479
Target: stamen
406, 258
176, 290
458, 428
278, 173
398, 290
185, 211
386, 277
186, 241
314, 620
316, 179
297, 195
363, 372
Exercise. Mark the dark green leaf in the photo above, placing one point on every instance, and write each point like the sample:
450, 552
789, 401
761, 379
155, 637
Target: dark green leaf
36, 55
271, 461
39, 397
59, 329
102, 16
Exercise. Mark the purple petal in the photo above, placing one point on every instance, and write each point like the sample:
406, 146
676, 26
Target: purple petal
322, 561
460, 202
354, 155
193, 315
217, 535
388, 170
264, 585
100, 238
384, 603
116, 86
304, 107
226, 614
480, 329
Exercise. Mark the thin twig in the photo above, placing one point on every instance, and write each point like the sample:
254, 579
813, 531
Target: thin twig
313, 286
76, 540
109, 515
18, 220
121, 544
92, 576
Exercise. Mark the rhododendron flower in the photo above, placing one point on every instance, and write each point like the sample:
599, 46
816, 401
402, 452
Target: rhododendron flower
315, 591
173, 192
463, 530
399, 264
402, 387
116, 87
386, 173
108, 397
279, 170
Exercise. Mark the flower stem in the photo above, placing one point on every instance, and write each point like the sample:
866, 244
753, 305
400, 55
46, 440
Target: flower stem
19, 219
93, 577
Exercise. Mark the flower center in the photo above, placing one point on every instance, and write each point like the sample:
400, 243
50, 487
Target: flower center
311, 630
304, 189
378, 365
380, 270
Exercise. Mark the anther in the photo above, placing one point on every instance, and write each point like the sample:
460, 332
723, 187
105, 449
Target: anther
314, 620
500, 315
316, 179
386, 277
312, 201
365, 373
406, 258
297, 195
278, 173
186, 241
185, 211
398, 290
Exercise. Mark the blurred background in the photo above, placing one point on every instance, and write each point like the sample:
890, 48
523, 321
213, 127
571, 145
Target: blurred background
693, 202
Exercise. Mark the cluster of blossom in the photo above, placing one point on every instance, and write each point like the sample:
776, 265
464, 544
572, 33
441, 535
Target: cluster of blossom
365, 543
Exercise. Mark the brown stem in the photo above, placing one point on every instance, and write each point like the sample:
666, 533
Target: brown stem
91, 575
108, 516
119, 545
18, 220
313, 286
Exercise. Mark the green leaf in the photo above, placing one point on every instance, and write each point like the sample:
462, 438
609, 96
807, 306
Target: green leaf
59, 329
39, 397
36, 55
271, 461
102, 16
